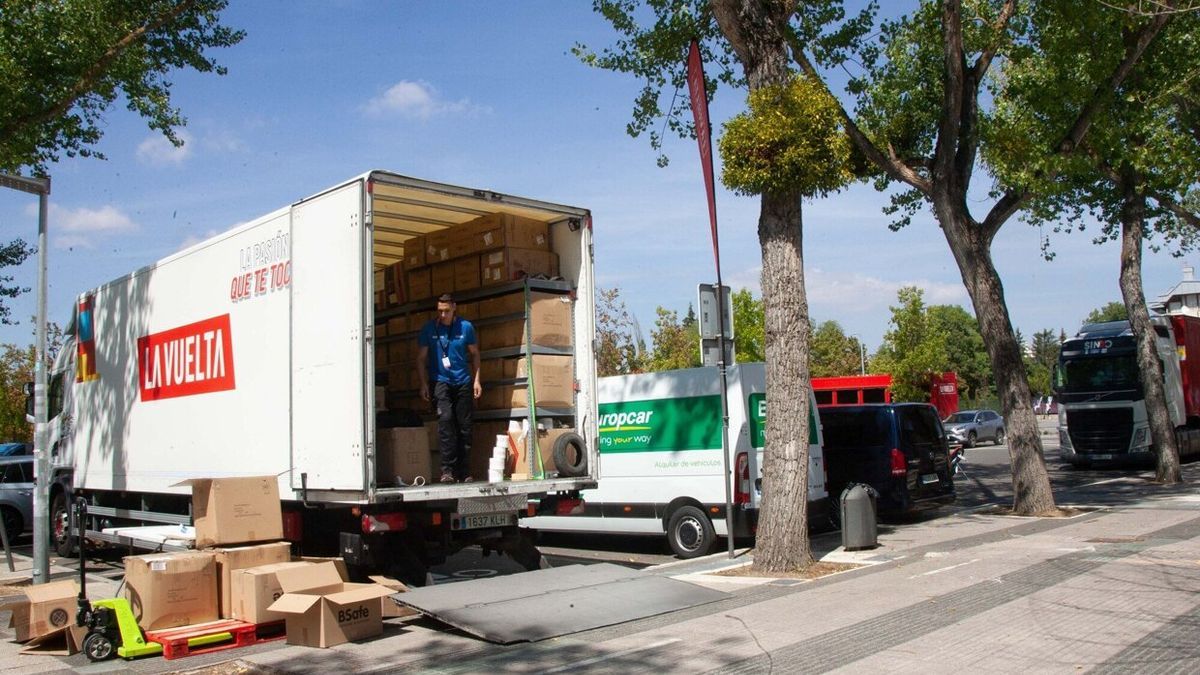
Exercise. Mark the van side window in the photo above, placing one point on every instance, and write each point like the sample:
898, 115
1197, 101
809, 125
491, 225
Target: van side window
915, 428
56, 396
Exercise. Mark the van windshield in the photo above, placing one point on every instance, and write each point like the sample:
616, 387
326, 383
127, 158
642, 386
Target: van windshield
860, 428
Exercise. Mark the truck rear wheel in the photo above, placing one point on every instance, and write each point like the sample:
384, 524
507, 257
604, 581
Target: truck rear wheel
690, 532
60, 526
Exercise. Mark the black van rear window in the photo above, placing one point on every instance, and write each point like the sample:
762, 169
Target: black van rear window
855, 428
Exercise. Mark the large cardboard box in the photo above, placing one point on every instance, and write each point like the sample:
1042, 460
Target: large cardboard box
167, 590
322, 610
549, 324
420, 284
500, 230
512, 264
466, 273
403, 452
43, 609
230, 560
441, 278
396, 284
414, 252
236, 510
553, 384
253, 590
437, 246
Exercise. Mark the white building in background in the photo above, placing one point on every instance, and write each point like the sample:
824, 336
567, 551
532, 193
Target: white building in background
1183, 299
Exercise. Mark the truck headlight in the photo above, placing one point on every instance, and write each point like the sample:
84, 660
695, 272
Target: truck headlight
1141, 441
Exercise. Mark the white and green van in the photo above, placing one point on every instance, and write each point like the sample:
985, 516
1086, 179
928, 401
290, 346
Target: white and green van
661, 470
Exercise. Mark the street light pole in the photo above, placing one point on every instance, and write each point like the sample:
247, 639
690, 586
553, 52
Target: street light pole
41, 492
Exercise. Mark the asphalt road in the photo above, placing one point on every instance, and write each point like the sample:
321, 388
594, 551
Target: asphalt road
986, 479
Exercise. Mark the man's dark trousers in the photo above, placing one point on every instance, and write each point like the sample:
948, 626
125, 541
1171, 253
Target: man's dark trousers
455, 406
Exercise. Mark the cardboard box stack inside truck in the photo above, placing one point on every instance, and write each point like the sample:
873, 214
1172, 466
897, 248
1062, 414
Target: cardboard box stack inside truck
523, 334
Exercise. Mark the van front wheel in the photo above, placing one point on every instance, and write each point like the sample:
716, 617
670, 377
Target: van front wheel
690, 532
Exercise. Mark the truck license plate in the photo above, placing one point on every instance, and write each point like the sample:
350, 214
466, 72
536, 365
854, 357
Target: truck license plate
482, 520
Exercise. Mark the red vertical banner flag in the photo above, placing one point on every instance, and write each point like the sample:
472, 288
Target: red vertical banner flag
695, 79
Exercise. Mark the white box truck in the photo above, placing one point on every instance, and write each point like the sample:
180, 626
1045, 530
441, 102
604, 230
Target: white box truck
661, 469
258, 351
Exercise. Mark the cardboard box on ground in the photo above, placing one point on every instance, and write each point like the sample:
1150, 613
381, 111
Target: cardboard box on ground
323, 610
230, 560
42, 609
166, 590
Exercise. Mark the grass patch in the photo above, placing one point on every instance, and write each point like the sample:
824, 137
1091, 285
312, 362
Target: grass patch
814, 571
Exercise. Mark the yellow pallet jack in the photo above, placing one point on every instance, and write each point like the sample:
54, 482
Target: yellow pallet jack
111, 628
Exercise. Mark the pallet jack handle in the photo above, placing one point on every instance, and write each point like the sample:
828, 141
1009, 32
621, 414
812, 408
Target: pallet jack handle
84, 607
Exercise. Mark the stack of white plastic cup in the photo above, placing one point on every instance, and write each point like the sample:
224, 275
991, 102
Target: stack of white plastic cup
498, 459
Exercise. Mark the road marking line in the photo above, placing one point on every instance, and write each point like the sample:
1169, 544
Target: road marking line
944, 569
624, 652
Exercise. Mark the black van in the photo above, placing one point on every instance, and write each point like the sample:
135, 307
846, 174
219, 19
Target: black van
899, 449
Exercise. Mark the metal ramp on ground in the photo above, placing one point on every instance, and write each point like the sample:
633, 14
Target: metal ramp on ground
533, 606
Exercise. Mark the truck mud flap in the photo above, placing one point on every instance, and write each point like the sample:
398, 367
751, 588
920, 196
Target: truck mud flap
533, 606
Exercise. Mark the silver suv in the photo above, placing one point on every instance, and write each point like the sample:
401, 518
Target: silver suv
971, 426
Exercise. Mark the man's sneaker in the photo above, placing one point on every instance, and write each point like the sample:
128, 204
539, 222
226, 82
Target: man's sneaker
447, 477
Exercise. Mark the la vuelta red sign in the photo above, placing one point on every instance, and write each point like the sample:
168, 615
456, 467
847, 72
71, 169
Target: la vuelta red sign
188, 360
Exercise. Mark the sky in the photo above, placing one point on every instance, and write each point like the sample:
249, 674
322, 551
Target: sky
489, 95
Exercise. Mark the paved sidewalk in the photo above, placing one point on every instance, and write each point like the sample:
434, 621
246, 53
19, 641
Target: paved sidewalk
1113, 589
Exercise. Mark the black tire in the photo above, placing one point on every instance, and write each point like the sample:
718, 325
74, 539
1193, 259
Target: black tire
14, 525
1000, 437
61, 537
98, 647
970, 442
690, 532
570, 456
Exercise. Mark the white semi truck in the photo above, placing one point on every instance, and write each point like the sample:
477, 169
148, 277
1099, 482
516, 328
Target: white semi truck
271, 349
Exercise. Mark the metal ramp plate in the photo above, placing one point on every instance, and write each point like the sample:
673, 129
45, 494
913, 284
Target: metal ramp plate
533, 606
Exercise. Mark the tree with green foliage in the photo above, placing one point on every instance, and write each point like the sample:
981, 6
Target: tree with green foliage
965, 352
1113, 311
620, 349
11, 255
16, 370
832, 352
63, 64
925, 101
676, 342
1043, 354
1135, 168
769, 151
911, 351
748, 332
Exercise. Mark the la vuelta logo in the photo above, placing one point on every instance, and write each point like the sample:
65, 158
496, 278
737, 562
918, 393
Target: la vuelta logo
188, 360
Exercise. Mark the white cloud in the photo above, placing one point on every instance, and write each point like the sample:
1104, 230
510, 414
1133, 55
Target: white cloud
418, 100
156, 150
81, 227
193, 239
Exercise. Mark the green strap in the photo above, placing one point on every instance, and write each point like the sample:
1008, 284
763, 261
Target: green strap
539, 471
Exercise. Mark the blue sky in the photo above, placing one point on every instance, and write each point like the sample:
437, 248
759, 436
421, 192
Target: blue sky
488, 95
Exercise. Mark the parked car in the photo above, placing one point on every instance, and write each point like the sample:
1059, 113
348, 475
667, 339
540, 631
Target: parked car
15, 449
16, 493
971, 426
899, 449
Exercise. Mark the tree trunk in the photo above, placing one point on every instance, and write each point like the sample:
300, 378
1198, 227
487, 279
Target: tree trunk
755, 30
1162, 432
782, 543
971, 248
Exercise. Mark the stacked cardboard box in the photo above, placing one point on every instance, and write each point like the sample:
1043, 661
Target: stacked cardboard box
489, 250
506, 382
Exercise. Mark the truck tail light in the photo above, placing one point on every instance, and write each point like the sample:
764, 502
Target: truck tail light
293, 526
741, 483
384, 522
899, 463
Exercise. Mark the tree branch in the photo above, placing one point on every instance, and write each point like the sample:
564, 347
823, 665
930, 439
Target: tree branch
889, 163
1133, 54
999, 26
88, 79
950, 127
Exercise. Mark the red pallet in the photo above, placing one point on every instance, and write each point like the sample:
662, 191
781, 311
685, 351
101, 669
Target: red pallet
175, 640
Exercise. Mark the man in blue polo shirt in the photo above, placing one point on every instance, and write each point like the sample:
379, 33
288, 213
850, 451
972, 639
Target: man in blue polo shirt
448, 365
